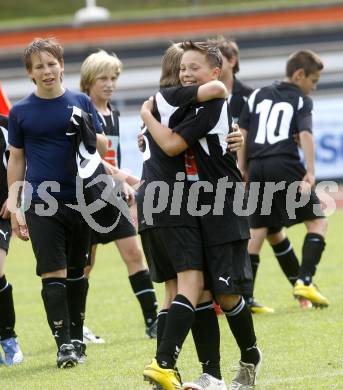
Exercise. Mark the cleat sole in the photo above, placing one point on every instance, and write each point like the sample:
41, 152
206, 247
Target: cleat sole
314, 304
151, 381
68, 364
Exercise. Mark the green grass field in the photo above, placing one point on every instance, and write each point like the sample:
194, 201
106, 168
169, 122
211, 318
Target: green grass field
301, 350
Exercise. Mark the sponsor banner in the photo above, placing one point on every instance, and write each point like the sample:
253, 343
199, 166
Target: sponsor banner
328, 134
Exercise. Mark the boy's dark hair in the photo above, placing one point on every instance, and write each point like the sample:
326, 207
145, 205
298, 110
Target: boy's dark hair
39, 45
228, 48
304, 59
211, 52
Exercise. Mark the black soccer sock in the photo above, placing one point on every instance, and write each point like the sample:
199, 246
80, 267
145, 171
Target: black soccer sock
255, 262
287, 259
242, 328
179, 321
144, 290
206, 336
7, 313
161, 324
76, 302
85, 296
54, 294
313, 248
86, 291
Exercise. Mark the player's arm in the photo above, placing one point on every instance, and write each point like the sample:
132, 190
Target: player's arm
242, 154
212, 90
304, 124
171, 143
120, 175
101, 144
4, 212
244, 125
15, 173
307, 145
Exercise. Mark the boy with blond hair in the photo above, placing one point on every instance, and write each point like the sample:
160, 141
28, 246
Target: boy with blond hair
99, 75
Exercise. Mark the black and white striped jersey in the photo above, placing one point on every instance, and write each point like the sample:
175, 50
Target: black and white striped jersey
170, 107
205, 129
272, 116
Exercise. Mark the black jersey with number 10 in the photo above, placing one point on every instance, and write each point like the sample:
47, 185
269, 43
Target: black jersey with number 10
272, 116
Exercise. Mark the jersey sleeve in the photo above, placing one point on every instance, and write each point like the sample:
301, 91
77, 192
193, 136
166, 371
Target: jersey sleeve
304, 114
15, 133
179, 96
200, 122
248, 109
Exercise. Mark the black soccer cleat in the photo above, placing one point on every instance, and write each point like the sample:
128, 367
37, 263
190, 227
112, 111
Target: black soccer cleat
66, 356
151, 331
80, 350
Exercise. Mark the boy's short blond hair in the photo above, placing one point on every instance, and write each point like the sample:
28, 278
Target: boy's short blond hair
94, 65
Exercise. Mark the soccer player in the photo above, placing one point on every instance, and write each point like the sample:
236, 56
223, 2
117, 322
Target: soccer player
41, 153
270, 119
98, 78
224, 236
166, 239
276, 236
8, 337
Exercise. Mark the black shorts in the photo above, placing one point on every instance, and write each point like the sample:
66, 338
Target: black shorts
5, 234
228, 268
170, 250
124, 229
61, 241
283, 211
274, 229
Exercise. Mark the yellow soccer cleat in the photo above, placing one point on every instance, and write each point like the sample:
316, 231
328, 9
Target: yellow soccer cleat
164, 378
258, 308
310, 293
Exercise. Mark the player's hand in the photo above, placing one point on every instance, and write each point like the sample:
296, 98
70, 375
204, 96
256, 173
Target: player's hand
296, 139
141, 142
307, 183
129, 194
235, 139
147, 107
4, 212
19, 227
